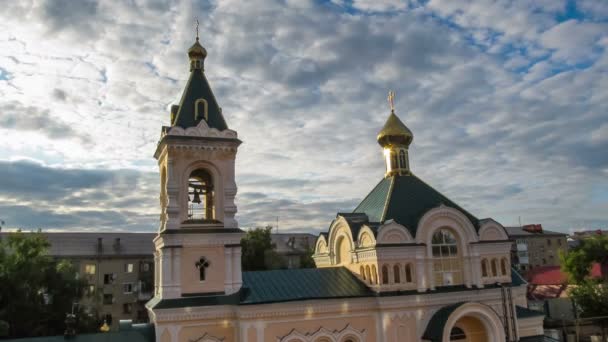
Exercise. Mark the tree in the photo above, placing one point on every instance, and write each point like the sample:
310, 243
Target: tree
306, 260
589, 295
259, 253
36, 291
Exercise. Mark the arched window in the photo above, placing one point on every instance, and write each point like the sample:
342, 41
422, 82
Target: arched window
402, 159
201, 109
447, 266
384, 274
201, 204
374, 274
397, 273
503, 266
457, 334
494, 267
368, 274
408, 273
342, 250
362, 271
484, 268
394, 164
202, 265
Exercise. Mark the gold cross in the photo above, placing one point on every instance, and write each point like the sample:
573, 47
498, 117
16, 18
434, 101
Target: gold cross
391, 100
197, 29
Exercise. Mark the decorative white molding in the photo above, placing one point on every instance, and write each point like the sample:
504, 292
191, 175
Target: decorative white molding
492, 231
207, 338
332, 335
366, 237
202, 130
444, 216
393, 233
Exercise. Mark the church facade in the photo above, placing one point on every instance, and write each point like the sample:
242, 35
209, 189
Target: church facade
407, 264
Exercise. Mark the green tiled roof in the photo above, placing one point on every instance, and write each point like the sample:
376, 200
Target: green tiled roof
299, 284
434, 329
405, 199
198, 88
261, 287
525, 312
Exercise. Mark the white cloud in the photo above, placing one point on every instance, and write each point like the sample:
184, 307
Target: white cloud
305, 84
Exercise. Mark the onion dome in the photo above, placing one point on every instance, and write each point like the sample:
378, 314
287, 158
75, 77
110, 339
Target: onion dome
197, 51
394, 133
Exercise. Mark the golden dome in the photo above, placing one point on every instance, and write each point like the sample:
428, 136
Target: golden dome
197, 51
394, 132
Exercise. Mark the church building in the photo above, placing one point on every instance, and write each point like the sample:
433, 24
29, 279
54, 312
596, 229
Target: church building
407, 264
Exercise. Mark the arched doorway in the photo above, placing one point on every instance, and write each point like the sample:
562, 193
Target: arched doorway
468, 329
466, 321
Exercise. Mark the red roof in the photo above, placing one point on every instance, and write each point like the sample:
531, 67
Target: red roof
553, 275
547, 275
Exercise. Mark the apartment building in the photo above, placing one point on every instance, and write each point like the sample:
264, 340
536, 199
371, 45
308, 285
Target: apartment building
293, 246
534, 246
119, 269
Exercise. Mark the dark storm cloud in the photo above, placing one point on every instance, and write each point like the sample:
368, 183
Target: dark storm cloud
15, 116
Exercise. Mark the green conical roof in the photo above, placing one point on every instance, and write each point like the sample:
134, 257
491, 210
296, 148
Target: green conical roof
405, 199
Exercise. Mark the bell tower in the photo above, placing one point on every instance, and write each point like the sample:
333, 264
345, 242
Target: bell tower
198, 243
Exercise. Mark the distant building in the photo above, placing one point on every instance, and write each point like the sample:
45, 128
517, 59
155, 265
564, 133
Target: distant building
119, 269
534, 247
293, 246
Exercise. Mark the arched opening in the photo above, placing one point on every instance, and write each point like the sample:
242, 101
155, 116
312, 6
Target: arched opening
469, 329
342, 250
494, 267
397, 274
201, 204
503, 266
394, 164
447, 266
402, 159
384, 274
374, 274
368, 274
484, 268
408, 273
362, 272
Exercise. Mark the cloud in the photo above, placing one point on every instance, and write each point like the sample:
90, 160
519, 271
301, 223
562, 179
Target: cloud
506, 100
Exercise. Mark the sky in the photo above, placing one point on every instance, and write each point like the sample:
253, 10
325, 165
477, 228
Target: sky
507, 100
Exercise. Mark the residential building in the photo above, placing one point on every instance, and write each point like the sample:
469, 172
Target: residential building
534, 246
118, 268
294, 246
408, 264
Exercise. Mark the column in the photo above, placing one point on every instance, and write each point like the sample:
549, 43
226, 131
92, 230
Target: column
237, 276
421, 279
228, 270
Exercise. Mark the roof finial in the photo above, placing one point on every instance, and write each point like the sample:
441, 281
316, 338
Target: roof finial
197, 29
391, 100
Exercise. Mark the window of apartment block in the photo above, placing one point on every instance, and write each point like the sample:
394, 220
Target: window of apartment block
128, 268
108, 319
90, 289
548, 242
108, 299
127, 308
127, 287
559, 242
544, 261
145, 267
89, 269
109, 278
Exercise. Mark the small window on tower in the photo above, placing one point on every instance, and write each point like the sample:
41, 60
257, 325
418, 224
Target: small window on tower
202, 265
201, 109
402, 160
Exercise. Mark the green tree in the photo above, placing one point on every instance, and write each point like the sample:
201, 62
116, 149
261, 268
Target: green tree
36, 291
306, 260
258, 251
589, 295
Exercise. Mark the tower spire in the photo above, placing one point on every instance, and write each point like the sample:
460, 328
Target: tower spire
395, 138
197, 53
